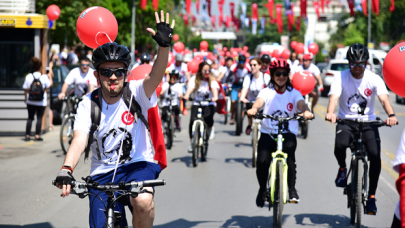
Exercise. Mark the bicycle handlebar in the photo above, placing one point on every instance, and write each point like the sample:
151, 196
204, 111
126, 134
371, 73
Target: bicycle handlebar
280, 119
378, 122
206, 99
122, 186
72, 98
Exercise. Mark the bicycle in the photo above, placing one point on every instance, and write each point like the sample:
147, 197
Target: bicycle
227, 90
277, 182
256, 126
357, 190
66, 130
304, 124
169, 125
199, 135
133, 189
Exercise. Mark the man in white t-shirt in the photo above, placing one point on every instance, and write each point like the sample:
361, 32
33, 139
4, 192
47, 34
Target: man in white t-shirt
121, 149
144, 59
355, 89
83, 79
181, 67
314, 70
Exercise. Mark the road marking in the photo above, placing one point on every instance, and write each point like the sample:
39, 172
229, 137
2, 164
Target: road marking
389, 170
389, 154
18, 145
388, 183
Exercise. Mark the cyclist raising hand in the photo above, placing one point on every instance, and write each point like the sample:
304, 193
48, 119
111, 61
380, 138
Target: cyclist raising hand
279, 99
203, 86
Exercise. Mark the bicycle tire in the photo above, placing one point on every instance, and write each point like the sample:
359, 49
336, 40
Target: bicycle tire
238, 118
353, 194
196, 147
66, 139
169, 132
359, 192
304, 129
204, 148
254, 144
278, 203
226, 115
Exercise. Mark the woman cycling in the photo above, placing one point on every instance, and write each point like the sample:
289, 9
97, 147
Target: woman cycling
203, 86
278, 99
252, 84
174, 90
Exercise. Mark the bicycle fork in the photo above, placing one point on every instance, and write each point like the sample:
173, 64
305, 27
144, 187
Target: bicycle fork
279, 155
200, 141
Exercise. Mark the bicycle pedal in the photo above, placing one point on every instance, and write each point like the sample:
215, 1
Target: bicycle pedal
293, 201
369, 212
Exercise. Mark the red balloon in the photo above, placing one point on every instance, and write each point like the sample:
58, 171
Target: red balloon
175, 37
276, 53
193, 66
204, 45
299, 48
95, 25
293, 44
178, 47
171, 59
245, 48
140, 72
222, 62
393, 76
304, 82
225, 49
234, 53
228, 54
285, 54
194, 49
53, 12
313, 48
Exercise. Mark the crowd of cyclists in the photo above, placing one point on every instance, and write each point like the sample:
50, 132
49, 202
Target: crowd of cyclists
263, 83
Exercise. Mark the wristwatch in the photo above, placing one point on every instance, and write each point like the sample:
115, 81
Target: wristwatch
68, 168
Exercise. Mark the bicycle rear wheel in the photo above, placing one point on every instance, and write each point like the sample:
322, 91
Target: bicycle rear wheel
352, 193
226, 115
238, 117
254, 144
278, 203
66, 133
359, 192
195, 144
169, 133
204, 148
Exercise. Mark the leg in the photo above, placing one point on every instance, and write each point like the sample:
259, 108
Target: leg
51, 119
163, 115
31, 113
289, 147
194, 112
40, 114
315, 96
176, 111
143, 210
372, 143
232, 110
342, 141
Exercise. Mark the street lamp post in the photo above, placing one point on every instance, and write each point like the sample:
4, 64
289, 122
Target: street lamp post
133, 33
369, 22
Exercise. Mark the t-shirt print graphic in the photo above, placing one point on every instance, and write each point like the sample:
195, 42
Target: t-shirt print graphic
357, 104
112, 154
279, 113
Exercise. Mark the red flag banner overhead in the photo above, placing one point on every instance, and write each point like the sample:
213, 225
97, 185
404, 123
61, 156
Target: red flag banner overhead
290, 17
323, 6
303, 4
270, 8
351, 7
255, 14
232, 8
328, 3
364, 6
143, 4
392, 7
188, 6
209, 7
185, 18
298, 24
213, 21
279, 9
228, 21
197, 5
375, 5
221, 15
155, 4
316, 7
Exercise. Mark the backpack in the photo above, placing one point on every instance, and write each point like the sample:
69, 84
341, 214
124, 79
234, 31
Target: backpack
36, 92
96, 101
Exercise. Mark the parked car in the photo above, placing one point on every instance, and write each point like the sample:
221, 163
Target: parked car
399, 100
60, 73
335, 67
322, 67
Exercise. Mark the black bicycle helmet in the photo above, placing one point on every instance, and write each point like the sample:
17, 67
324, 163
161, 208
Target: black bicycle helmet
111, 52
145, 57
174, 72
357, 53
265, 58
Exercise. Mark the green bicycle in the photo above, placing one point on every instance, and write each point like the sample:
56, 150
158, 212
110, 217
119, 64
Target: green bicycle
277, 182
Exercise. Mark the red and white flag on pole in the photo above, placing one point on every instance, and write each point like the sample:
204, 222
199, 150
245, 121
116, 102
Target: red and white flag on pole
279, 9
351, 7
364, 6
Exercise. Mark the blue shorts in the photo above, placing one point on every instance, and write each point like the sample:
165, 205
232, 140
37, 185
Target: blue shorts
235, 92
138, 171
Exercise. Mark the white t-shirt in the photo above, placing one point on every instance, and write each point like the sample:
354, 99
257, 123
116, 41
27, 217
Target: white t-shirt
81, 80
175, 90
313, 69
113, 125
226, 71
256, 85
203, 91
182, 69
46, 83
399, 160
238, 75
276, 104
354, 93
139, 63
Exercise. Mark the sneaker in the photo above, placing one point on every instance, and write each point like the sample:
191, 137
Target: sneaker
38, 139
27, 138
248, 129
341, 178
190, 149
294, 195
212, 133
260, 198
371, 208
231, 122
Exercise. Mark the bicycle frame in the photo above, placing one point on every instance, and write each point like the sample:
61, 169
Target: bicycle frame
202, 124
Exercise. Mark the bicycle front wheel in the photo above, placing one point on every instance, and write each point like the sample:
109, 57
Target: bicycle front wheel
359, 192
238, 118
169, 133
204, 148
195, 144
278, 203
66, 133
254, 144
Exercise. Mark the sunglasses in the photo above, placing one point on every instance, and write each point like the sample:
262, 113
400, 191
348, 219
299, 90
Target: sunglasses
119, 72
265, 62
85, 65
253, 65
206, 71
143, 62
284, 73
357, 64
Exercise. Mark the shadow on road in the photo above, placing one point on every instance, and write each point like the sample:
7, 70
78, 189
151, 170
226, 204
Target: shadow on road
38, 225
180, 223
186, 160
247, 162
251, 222
325, 220
227, 132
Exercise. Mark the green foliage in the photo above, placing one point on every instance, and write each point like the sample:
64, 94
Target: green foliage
319, 57
352, 35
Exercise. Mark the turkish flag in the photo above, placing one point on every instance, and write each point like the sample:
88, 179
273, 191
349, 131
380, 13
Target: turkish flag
323, 6
351, 7
209, 7
298, 24
188, 6
270, 8
392, 7
228, 21
364, 6
290, 19
155, 4
197, 4
279, 9
143, 4
232, 8
213, 21
185, 18
255, 14
303, 6
328, 3
221, 16
375, 5
316, 7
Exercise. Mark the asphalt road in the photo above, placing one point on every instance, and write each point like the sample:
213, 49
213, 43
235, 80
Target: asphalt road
218, 193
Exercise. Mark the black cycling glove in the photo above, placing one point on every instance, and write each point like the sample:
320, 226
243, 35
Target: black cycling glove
64, 177
163, 35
